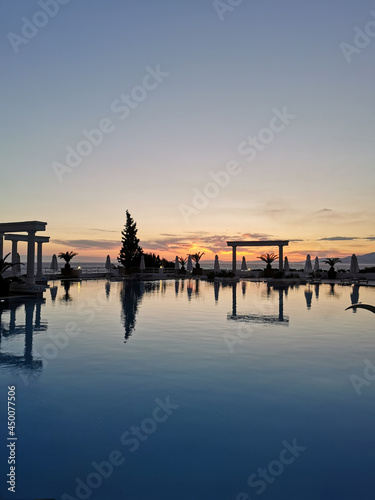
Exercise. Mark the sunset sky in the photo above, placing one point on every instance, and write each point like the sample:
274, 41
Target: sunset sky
177, 88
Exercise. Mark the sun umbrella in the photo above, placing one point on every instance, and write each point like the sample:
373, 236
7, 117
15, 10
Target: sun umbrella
108, 264
286, 265
308, 266
316, 265
142, 265
354, 268
189, 266
54, 265
216, 264
177, 264
243, 265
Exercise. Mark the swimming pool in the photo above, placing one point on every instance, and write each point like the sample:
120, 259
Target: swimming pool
190, 390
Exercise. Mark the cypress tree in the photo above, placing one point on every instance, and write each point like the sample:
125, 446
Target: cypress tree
130, 252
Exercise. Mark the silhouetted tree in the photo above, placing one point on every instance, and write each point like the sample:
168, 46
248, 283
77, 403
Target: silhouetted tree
196, 258
67, 256
268, 258
332, 262
130, 252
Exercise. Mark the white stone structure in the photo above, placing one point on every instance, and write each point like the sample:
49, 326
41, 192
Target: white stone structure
31, 228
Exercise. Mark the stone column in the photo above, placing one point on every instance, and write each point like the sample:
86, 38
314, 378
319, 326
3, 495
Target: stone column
281, 258
234, 259
14, 257
39, 269
30, 279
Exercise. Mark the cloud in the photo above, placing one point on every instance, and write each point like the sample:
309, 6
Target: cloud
103, 230
340, 238
90, 244
324, 211
213, 243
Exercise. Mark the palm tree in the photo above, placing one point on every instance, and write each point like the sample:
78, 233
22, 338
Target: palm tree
196, 258
182, 261
332, 262
67, 256
268, 258
4, 266
5, 282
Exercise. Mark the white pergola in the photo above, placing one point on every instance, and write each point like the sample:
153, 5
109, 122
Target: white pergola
271, 243
31, 228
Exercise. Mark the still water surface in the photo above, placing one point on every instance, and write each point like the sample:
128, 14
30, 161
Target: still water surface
193, 391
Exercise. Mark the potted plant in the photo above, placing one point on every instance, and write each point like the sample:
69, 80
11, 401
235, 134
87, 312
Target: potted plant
332, 262
268, 258
67, 271
182, 261
196, 258
5, 282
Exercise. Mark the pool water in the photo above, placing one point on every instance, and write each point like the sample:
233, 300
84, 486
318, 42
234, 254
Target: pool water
190, 390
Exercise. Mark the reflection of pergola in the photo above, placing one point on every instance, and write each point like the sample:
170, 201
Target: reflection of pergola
258, 318
29, 227
30, 327
270, 243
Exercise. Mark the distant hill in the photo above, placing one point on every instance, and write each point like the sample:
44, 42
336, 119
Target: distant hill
368, 258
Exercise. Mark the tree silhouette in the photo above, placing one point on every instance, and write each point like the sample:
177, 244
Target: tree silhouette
268, 258
67, 256
130, 252
196, 258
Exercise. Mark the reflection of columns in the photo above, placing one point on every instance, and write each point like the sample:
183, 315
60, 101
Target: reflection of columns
281, 258
29, 310
12, 321
234, 299
281, 304
39, 270
234, 257
14, 257
38, 310
1, 245
30, 280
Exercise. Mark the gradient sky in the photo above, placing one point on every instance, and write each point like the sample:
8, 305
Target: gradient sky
313, 183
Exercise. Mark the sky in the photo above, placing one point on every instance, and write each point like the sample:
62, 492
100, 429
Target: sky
208, 120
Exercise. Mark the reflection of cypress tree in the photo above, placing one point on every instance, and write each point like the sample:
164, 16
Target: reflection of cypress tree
131, 296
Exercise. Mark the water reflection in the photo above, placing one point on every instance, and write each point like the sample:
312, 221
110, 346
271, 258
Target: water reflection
131, 295
260, 318
107, 289
354, 297
13, 328
308, 297
66, 297
53, 291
